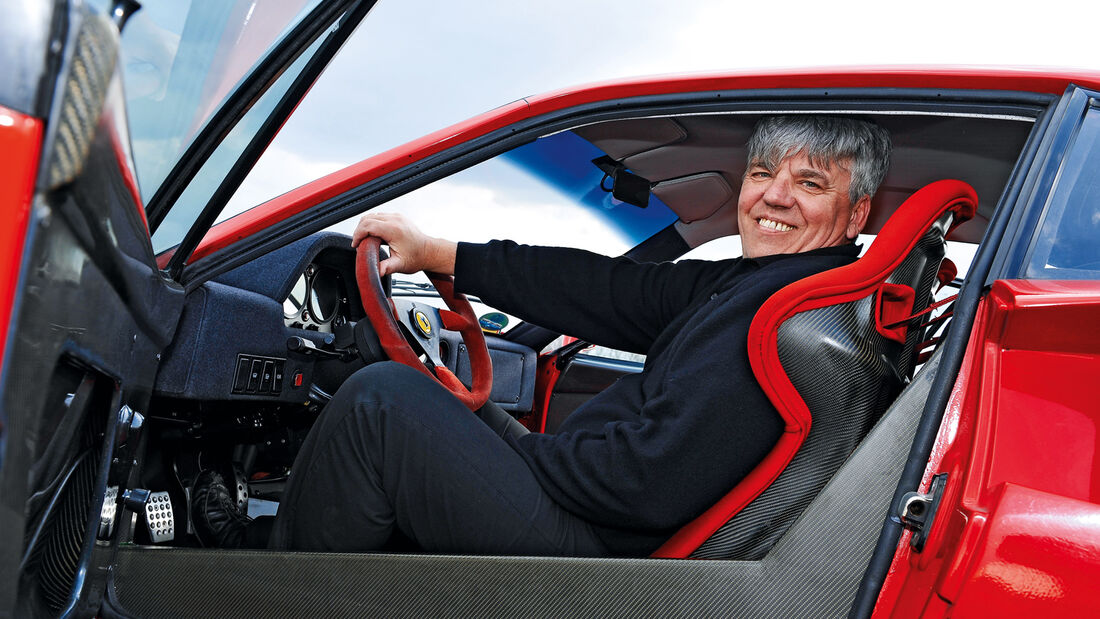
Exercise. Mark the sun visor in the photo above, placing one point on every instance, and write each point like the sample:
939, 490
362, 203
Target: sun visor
694, 197
623, 138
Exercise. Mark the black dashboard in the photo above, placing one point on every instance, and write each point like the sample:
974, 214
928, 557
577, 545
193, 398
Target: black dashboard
290, 322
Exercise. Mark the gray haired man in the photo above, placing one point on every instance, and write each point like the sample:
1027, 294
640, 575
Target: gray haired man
395, 452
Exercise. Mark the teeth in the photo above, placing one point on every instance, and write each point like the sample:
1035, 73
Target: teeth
774, 225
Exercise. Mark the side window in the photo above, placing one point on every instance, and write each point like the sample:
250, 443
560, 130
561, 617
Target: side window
546, 192
1066, 245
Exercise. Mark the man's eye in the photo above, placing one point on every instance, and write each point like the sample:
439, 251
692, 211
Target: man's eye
760, 174
810, 185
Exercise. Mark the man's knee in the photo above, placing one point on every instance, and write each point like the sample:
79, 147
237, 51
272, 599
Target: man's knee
393, 389
381, 380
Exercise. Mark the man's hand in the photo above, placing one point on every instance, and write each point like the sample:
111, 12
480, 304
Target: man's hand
410, 249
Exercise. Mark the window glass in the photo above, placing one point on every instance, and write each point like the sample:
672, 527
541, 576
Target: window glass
181, 59
547, 192
1067, 244
202, 187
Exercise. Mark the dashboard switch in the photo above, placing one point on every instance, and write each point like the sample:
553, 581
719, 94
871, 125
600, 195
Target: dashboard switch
240, 381
254, 376
277, 380
267, 376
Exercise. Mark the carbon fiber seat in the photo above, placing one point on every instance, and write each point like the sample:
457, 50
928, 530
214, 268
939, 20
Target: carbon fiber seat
828, 352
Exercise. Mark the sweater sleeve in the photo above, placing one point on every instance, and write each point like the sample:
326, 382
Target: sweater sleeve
614, 302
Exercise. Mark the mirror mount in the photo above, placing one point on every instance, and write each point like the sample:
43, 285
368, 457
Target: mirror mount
626, 186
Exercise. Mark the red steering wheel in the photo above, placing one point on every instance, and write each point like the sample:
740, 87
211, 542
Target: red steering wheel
424, 323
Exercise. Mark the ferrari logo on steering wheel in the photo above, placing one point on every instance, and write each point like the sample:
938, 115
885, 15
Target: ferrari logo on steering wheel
422, 323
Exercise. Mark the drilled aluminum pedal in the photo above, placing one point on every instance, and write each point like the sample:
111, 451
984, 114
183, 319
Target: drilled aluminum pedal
160, 518
107, 513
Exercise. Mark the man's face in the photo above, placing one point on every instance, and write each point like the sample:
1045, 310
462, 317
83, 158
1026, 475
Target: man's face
796, 207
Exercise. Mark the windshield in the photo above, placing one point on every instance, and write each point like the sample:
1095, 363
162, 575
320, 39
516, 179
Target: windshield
181, 60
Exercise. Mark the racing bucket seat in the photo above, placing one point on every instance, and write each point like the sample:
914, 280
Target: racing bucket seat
831, 351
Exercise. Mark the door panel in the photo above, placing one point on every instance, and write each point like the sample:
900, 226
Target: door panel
91, 315
583, 378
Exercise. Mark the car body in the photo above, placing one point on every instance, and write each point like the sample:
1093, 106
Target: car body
145, 332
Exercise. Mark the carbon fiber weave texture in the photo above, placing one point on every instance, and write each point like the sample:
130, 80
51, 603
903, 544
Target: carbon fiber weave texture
840, 382
919, 271
847, 374
813, 571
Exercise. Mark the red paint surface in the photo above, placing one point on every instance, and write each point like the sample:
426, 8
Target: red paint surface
21, 143
1018, 533
546, 378
122, 160
1039, 557
547, 374
306, 196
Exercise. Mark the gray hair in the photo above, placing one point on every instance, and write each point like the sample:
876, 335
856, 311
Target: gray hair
860, 146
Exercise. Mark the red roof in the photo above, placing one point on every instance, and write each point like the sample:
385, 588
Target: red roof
1037, 80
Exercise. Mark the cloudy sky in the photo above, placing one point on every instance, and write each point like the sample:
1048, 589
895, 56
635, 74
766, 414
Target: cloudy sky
418, 65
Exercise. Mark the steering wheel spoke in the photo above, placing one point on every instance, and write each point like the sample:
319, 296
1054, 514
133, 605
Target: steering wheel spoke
422, 326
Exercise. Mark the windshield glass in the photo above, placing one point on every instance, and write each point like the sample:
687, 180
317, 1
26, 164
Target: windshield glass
181, 60
1065, 244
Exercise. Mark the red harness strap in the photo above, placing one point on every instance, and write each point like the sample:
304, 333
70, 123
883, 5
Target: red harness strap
926, 310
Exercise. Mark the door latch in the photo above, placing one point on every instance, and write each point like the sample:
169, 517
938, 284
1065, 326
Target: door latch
918, 510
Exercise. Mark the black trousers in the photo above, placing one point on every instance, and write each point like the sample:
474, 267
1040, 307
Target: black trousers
394, 449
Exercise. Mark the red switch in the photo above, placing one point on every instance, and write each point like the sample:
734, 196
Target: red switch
297, 379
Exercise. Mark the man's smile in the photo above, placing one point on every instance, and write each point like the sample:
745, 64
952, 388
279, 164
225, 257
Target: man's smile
774, 225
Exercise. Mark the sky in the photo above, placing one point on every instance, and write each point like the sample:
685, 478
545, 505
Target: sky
415, 66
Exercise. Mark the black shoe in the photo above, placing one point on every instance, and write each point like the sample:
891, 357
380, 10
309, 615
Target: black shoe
217, 518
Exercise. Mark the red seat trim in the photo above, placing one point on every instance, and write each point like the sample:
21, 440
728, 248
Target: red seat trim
848, 283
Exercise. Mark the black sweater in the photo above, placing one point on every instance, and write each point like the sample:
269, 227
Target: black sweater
655, 449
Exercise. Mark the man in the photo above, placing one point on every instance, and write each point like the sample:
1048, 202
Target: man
395, 453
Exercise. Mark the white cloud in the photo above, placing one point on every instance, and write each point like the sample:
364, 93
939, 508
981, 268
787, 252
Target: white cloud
418, 65
799, 33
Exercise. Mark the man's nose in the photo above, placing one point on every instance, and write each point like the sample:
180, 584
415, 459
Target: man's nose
779, 192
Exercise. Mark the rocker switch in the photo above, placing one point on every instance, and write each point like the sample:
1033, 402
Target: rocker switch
267, 376
254, 375
240, 381
277, 380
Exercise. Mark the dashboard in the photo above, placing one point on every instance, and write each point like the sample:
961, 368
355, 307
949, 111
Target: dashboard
290, 324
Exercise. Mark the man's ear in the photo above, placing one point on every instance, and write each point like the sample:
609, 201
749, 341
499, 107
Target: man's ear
858, 219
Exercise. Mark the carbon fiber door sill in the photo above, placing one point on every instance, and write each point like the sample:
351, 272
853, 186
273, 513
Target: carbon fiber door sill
812, 572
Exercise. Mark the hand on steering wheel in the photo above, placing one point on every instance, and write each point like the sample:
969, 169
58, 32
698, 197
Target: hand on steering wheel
424, 322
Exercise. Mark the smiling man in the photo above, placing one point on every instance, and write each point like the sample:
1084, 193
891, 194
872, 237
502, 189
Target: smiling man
809, 183
394, 451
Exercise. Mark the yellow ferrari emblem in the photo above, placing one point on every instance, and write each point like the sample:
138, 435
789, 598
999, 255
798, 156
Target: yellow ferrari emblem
422, 323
